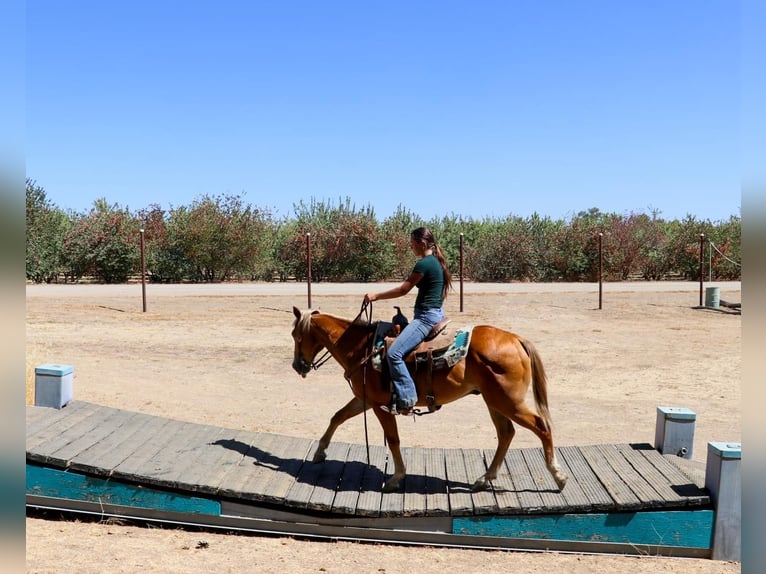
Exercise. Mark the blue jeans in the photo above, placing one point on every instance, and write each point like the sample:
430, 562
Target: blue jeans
412, 335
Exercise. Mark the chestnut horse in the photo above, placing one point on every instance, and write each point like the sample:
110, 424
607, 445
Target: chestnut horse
499, 365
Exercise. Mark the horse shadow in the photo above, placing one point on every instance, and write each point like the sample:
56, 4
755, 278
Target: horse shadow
342, 475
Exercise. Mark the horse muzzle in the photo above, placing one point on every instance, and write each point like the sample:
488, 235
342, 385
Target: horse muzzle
301, 366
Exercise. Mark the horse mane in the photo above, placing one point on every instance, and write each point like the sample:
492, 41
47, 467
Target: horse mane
303, 325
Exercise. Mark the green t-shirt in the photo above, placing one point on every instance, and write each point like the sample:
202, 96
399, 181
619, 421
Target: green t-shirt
431, 284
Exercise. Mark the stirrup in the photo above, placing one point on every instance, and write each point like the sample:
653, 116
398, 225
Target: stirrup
392, 409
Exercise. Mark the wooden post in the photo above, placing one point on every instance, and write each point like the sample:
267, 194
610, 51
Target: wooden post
674, 431
461, 272
143, 272
702, 263
308, 265
723, 479
600, 269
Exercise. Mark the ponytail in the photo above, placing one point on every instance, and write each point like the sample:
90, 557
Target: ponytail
424, 233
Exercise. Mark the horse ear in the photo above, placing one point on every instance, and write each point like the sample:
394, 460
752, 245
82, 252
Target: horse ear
315, 312
297, 312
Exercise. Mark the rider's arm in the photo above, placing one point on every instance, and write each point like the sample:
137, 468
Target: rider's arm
402, 289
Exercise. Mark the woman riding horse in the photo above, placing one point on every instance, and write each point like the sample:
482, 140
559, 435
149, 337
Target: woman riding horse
433, 280
499, 365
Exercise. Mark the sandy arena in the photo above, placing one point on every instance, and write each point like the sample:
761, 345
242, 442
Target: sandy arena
221, 354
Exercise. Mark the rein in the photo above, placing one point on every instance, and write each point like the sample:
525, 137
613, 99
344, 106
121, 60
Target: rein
326, 356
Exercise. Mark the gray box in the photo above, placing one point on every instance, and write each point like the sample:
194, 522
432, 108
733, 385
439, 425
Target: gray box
53, 385
674, 431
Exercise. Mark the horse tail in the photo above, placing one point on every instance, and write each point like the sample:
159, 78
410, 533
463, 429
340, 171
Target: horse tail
539, 383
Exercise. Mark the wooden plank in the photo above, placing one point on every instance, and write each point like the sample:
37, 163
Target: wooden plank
141, 444
350, 483
484, 501
437, 498
59, 450
328, 481
414, 482
505, 493
576, 498
652, 475
645, 492
100, 457
40, 418
391, 503
458, 487
582, 474
224, 452
141, 462
623, 496
254, 467
682, 483
523, 482
171, 464
552, 498
292, 453
60, 425
692, 473
371, 493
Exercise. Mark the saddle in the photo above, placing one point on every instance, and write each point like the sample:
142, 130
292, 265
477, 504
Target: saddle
443, 347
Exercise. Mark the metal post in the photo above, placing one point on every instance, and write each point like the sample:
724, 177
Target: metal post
143, 272
702, 263
461, 272
600, 269
308, 265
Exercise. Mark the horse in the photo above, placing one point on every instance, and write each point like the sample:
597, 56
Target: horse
499, 365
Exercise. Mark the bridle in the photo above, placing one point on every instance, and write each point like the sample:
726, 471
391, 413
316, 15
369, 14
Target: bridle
307, 366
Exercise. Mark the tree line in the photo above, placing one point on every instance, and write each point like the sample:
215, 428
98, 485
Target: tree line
223, 238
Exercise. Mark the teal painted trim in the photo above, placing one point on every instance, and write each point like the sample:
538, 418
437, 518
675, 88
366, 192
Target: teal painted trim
727, 450
54, 370
44, 481
691, 529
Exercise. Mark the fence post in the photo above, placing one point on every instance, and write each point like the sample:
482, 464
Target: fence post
143, 273
600, 269
308, 265
702, 263
461, 272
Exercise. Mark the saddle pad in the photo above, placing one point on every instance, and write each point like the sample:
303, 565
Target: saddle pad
448, 357
453, 354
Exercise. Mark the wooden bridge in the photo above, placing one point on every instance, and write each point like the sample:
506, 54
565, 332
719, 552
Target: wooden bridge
624, 498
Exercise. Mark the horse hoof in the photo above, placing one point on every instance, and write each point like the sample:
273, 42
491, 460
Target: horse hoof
480, 484
392, 485
561, 480
319, 456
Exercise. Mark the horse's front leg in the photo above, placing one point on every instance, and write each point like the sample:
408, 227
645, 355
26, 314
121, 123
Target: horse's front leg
354, 407
505, 433
391, 432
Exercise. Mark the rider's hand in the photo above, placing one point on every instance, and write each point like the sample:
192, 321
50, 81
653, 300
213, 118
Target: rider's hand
369, 297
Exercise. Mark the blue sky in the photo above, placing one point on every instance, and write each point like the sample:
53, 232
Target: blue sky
479, 109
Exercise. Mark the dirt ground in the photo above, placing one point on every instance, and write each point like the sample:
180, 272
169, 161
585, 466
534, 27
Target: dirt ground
221, 354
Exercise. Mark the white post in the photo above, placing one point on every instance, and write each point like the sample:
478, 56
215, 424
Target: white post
723, 480
53, 385
674, 431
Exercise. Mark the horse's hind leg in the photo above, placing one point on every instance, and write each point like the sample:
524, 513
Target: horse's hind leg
505, 433
534, 422
353, 407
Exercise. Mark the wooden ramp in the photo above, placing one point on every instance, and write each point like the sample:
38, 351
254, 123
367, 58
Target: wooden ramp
620, 498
